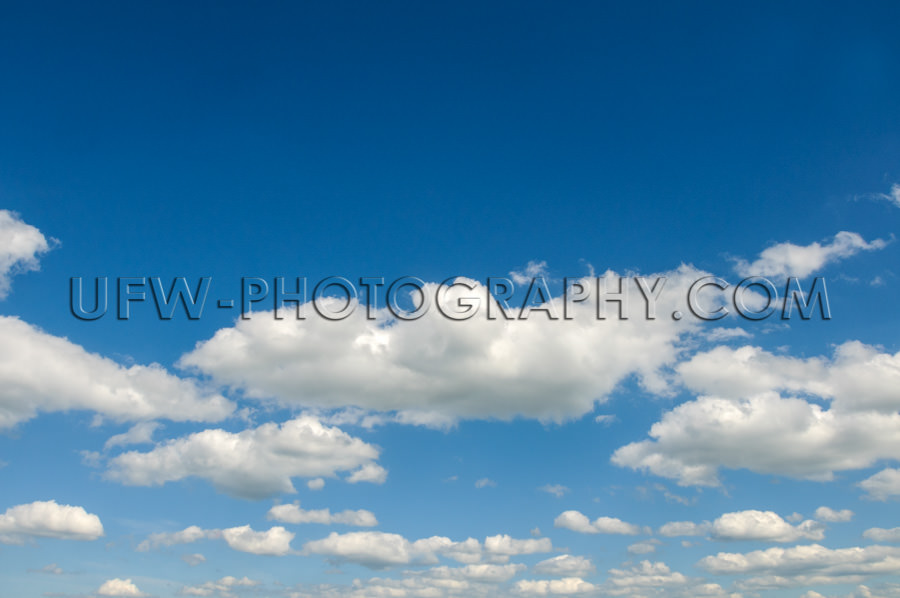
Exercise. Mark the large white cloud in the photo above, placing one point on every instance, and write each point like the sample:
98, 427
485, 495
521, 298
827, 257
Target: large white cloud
787, 259
20, 246
766, 434
857, 377
50, 520
254, 463
294, 514
883, 485
764, 526
275, 541
477, 368
805, 565
565, 565
380, 549
42, 372
579, 522
119, 587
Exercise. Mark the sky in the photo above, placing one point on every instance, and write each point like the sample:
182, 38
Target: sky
689, 209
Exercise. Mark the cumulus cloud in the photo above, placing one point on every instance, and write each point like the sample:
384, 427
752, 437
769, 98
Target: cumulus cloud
557, 490
42, 372
565, 565
223, 587
879, 534
684, 528
833, 516
294, 514
857, 377
275, 541
20, 246
883, 485
436, 369
553, 587
805, 565
254, 463
766, 434
378, 550
787, 259
48, 519
764, 526
578, 522
642, 577
140, 433
119, 587
531, 271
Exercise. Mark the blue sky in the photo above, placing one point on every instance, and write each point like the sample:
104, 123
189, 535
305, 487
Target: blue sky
222, 456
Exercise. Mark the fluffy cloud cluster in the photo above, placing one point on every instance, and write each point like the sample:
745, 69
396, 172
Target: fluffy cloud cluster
119, 587
764, 526
294, 514
42, 372
805, 565
222, 587
20, 246
579, 522
883, 485
378, 550
436, 367
787, 259
745, 422
565, 565
275, 541
254, 463
49, 520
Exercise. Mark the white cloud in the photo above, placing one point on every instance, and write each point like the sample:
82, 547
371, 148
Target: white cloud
892, 196
119, 587
644, 576
787, 259
833, 516
140, 433
644, 547
858, 377
379, 550
294, 514
49, 520
253, 463
565, 565
883, 485
222, 587
763, 526
193, 559
436, 369
684, 528
766, 434
531, 271
20, 246
805, 565
41, 372
275, 541
578, 522
879, 534
557, 490
370, 472
553, 587
315, 484
485, 483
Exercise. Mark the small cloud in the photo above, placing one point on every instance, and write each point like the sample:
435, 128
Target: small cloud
605, 419
536, 532
119, 587
832, 516
644, 547
557, 490
724, 334
531, 271
193, 559
485, 482
51, 569
315, 484
877, 282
